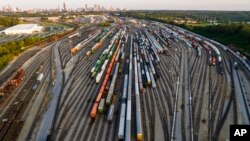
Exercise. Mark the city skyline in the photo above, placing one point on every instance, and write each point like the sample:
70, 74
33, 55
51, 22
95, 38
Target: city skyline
134, 5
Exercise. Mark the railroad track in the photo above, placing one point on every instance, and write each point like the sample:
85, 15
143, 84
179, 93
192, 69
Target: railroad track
75, 100
65, 46
163, 113
30, 70
78, 70
223, 113
197, 80
17, 64
197, 91
151, 113
191, 100
14, 114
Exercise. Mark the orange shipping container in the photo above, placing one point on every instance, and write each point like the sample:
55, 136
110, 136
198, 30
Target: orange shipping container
73, 50
99, 97
94, 110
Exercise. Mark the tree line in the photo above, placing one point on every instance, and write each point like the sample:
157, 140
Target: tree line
8, 21
10, 49
233, 34
201, 16
236, 36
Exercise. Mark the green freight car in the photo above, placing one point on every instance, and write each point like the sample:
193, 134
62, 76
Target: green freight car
101, 105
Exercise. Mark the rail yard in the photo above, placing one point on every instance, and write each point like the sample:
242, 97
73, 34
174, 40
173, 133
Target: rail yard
147, 81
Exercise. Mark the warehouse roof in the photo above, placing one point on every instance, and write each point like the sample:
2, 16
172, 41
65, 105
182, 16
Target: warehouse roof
22, 27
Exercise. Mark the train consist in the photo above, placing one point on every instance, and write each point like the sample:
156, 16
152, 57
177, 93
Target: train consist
10, 86
196, 42
85, 42
99, 41
98, 70
111, 53
38, 80
77, 34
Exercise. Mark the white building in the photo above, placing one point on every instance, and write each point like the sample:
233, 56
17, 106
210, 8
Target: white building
54, 19
23, 29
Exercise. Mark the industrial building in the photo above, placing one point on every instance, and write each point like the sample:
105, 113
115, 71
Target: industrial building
23, 29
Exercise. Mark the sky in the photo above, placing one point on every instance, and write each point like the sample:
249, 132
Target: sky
136, 4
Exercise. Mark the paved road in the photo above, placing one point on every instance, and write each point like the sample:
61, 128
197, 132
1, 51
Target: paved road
49, 115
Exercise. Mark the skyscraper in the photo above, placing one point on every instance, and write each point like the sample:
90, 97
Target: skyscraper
64, 7
8, 8
99, 7
95, 7
86, 7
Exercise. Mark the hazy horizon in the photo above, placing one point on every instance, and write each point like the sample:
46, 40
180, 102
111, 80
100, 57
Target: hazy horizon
224, 5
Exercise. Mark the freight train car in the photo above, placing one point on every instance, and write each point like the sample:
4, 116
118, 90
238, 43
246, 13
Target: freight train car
111, 113
75, 35
101, 105
38, 80
79, 46
112, 86
212, 61
235, 65
198, 51
13, 82
137, 103
121, 129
